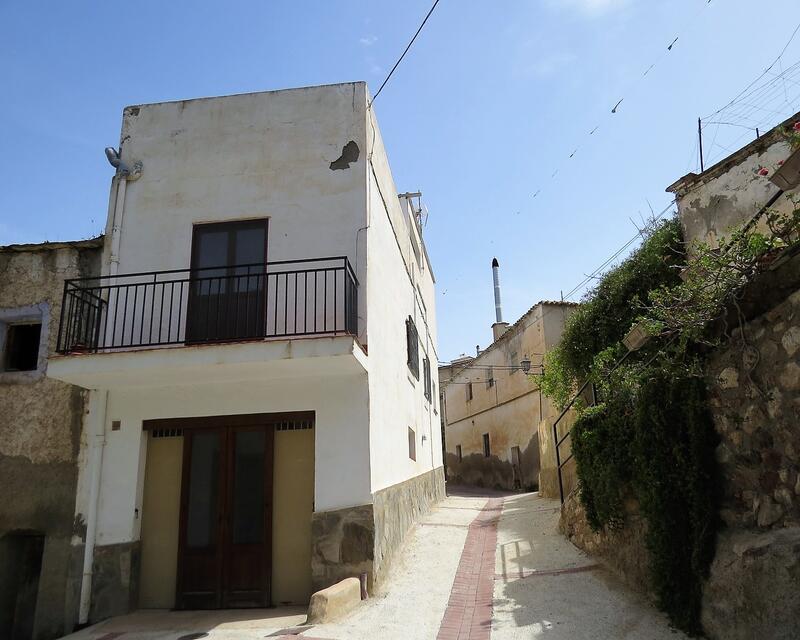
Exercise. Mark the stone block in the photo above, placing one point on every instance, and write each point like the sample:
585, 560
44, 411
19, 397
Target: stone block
728, 378
334, 602
752, 587
791, 340
768, 512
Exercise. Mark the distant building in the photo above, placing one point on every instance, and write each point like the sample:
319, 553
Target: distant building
255, 350
40, 439
493, 410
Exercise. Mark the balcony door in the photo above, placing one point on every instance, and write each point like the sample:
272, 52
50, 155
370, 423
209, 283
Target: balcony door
225, 538
228, 289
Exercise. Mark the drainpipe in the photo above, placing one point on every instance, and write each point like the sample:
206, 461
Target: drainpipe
98, 401
116, 225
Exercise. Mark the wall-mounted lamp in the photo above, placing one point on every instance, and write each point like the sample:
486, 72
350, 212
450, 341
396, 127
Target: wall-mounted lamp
525, 364
637, 337
788, 176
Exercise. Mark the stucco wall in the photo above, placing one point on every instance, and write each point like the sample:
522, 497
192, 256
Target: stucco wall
731, 194
341, 474
40, 431
259, 155
399, 286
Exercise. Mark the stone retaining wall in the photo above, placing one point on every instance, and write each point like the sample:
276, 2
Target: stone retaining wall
622, 551
397, 509
754, 398
365, 539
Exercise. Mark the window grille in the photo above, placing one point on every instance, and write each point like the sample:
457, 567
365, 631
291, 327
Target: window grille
412, 344
166, 433
426, 372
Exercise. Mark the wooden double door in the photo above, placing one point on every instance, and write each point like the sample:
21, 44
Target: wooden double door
225, 537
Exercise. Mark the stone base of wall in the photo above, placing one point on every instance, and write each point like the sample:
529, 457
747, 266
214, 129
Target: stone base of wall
342, 545
397, 509
476, 470
349, 542
753, 590
115, 580
623, 552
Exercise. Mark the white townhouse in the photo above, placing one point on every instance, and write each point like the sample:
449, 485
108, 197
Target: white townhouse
258, 352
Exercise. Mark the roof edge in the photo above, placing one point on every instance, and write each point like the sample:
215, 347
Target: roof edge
89, 243
737, 157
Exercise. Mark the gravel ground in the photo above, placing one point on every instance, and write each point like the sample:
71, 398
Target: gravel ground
544, 587
419, 581
567, 599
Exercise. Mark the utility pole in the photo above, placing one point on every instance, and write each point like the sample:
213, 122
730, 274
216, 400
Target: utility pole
700, 139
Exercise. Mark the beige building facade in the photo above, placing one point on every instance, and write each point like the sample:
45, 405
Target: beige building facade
493, 411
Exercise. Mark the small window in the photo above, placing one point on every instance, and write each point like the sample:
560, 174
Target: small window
426, 374
412, 444
469, 391
489, 377
22, 347
486, 449
458, 453
412, 344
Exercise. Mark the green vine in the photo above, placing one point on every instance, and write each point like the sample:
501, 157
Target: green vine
651, 436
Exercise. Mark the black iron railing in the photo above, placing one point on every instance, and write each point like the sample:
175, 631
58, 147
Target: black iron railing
559, 439
289, 298
589, 392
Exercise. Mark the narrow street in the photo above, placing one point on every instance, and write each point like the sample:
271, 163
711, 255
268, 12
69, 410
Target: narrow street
479, 566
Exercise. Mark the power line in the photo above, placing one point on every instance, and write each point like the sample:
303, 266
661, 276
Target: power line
765, 72
405, 51
629, 91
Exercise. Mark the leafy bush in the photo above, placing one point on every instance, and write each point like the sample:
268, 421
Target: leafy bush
651, 436
608, 311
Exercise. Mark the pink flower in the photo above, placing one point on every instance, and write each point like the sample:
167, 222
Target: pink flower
796, 126
763, 171
780, 163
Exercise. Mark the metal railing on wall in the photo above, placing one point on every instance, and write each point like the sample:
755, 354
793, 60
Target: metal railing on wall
289, 298
561, 439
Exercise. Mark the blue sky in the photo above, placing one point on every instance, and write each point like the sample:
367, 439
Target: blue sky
492, 99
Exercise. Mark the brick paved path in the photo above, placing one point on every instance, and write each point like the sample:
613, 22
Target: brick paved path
468, 615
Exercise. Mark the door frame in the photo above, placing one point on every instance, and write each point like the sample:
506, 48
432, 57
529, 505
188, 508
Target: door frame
227, 425
193, 256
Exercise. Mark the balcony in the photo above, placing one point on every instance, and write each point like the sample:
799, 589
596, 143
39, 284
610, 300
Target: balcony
161, 326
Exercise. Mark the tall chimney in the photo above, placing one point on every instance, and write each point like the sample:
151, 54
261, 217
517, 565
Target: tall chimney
499, 327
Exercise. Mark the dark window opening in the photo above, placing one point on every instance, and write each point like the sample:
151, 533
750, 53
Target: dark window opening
489, 377
458, 453
486, 449
426, 372
412, 444
469, 391
412, 344
22, 347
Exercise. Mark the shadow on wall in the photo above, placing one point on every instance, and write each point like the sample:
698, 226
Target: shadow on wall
477, 470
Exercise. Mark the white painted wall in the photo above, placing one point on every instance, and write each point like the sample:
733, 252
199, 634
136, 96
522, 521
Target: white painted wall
398, 286
342, 466
259, 155
268, 155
